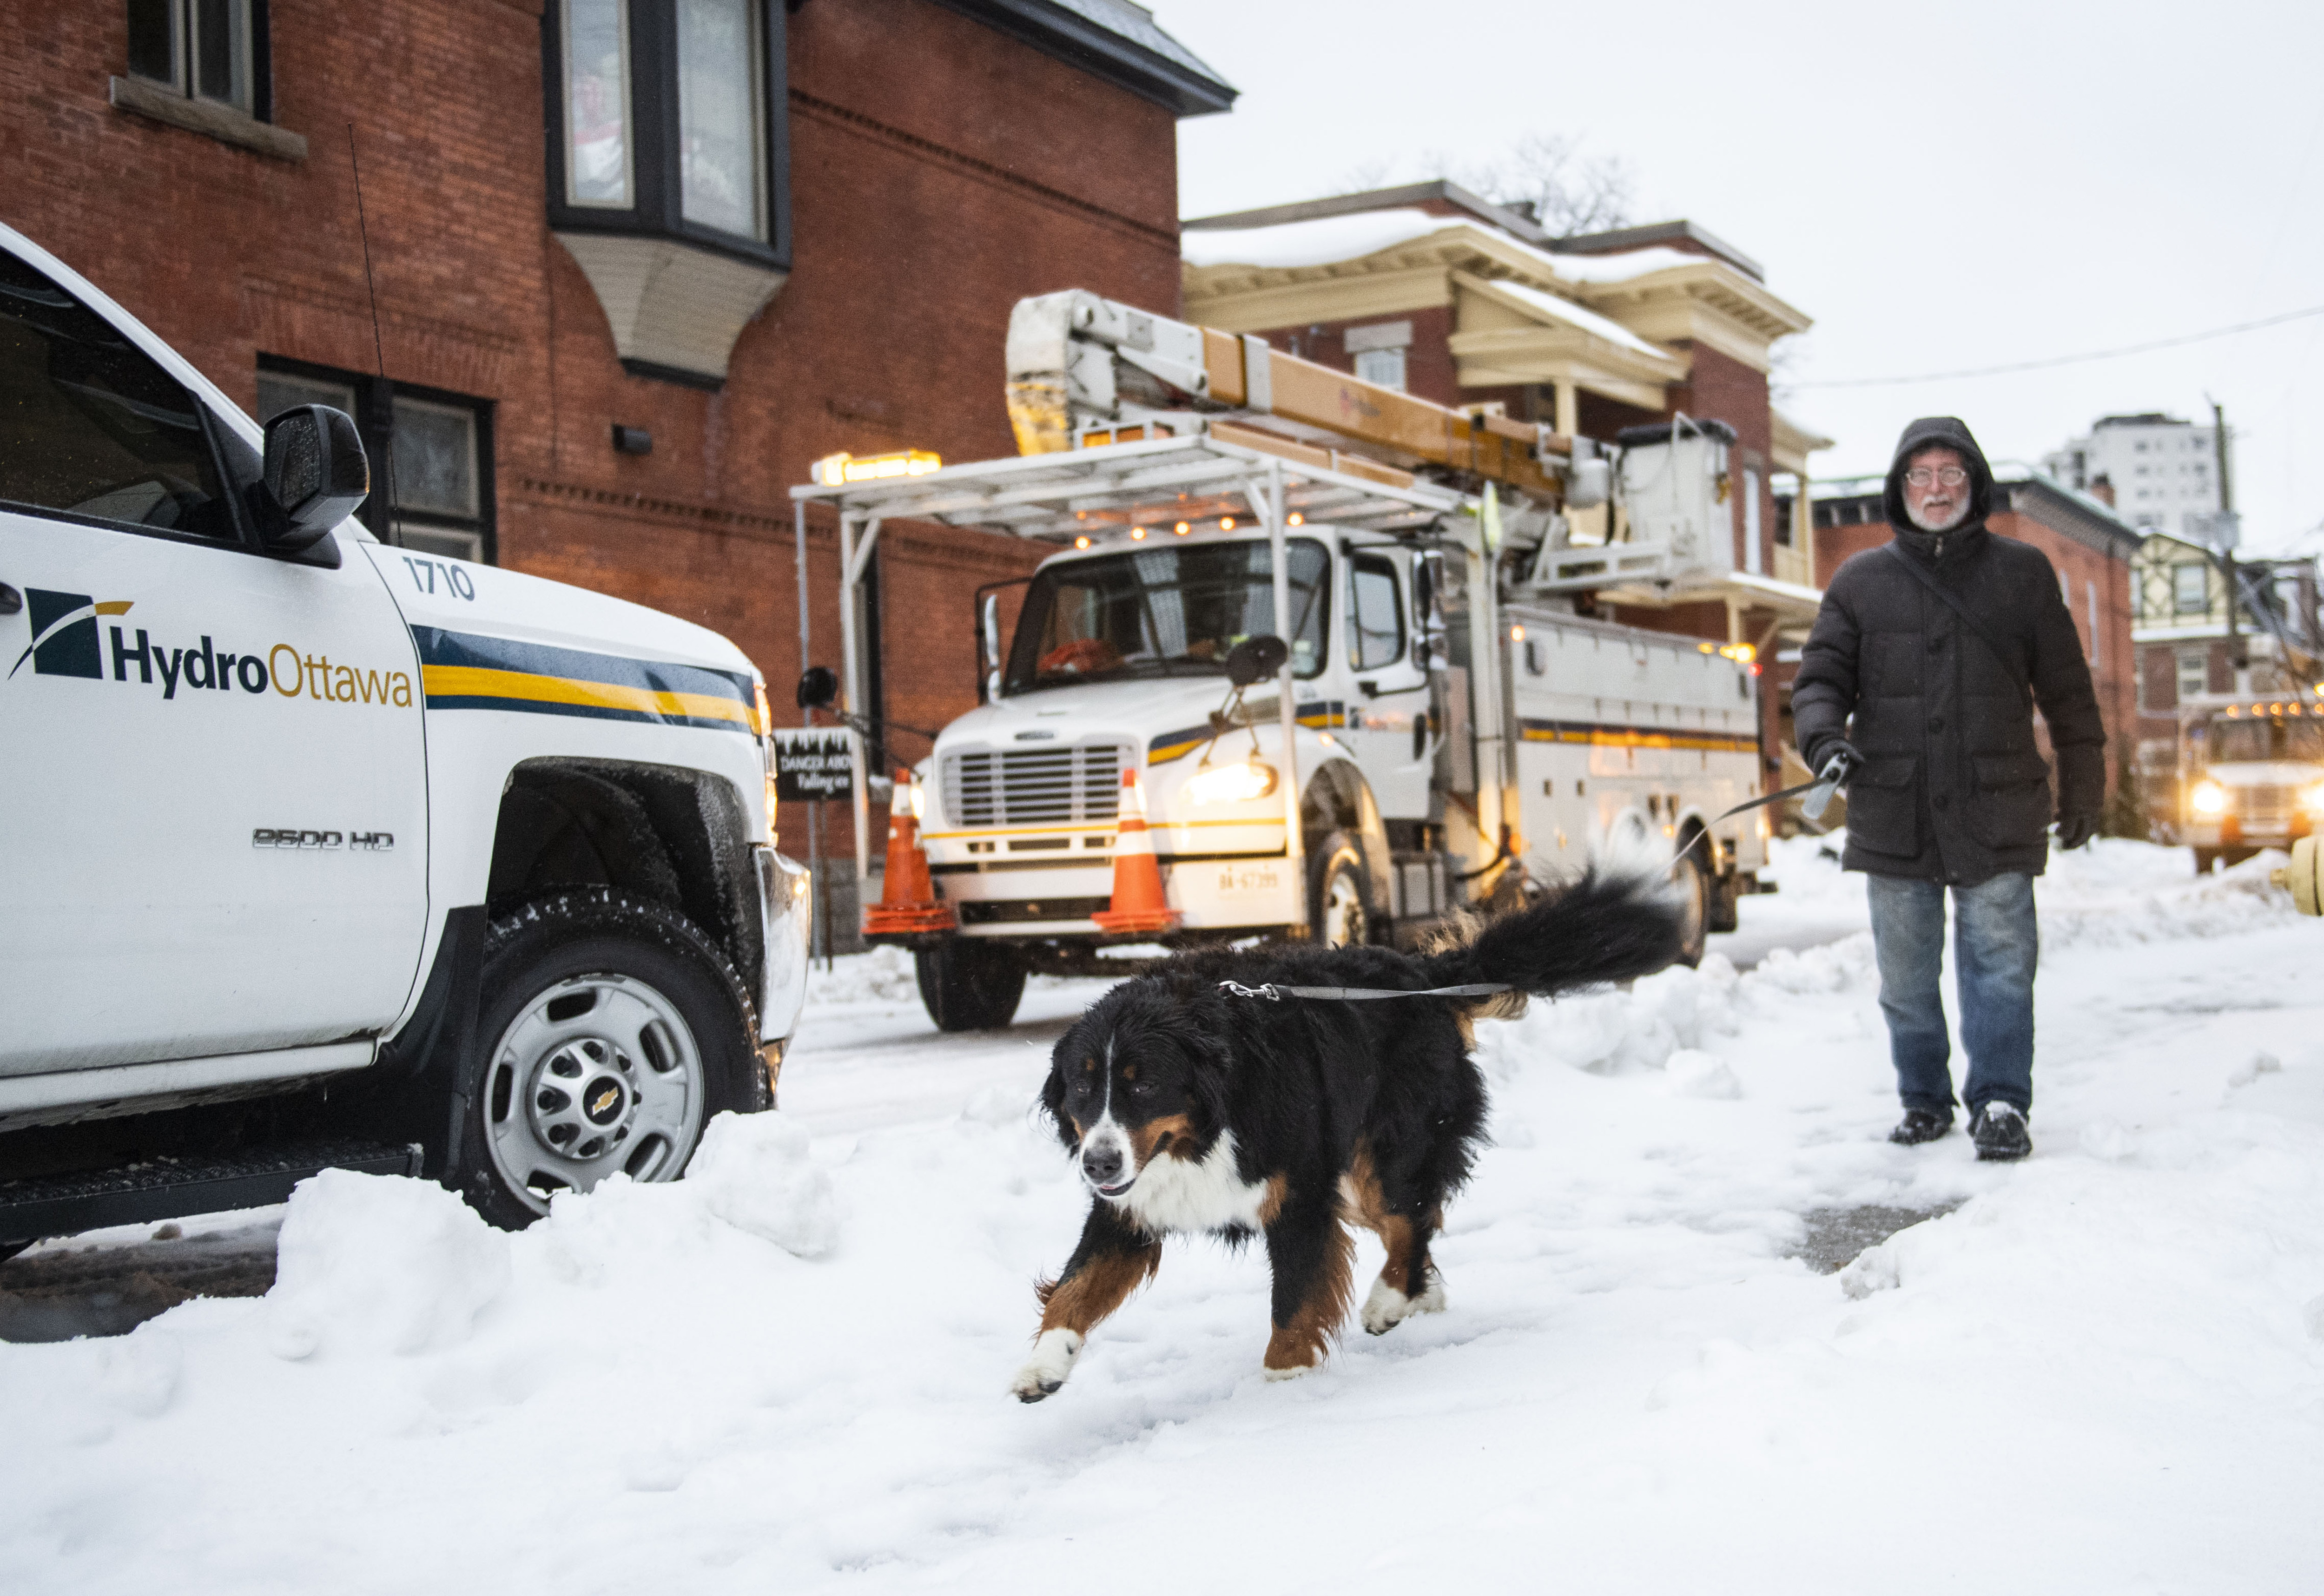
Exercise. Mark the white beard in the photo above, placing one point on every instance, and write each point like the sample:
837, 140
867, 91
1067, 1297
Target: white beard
1952, 517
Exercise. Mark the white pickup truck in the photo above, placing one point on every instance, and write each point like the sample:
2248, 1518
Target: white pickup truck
323, 854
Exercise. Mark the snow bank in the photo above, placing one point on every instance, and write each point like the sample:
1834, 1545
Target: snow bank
2102, 1371
369, 1264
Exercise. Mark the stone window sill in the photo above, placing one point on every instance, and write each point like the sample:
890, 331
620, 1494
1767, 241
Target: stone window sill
222, 123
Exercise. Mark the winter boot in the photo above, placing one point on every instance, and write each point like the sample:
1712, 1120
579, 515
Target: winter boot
1999, 1131
1919, 1125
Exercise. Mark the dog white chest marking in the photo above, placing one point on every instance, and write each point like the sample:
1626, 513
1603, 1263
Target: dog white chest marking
1177, 1194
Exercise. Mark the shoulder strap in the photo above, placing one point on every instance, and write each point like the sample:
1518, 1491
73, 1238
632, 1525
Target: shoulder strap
1952, 601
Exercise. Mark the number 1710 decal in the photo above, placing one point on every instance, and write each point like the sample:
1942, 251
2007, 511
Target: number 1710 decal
454, 581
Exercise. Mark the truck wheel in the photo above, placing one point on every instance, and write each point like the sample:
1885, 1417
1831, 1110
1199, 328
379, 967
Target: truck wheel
1335, 904
1695, 895
609, 1029
969, 985
2204, 859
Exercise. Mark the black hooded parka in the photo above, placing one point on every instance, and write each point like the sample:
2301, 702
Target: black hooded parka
1954, 787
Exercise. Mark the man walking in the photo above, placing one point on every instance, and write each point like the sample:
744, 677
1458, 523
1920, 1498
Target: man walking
1920, 676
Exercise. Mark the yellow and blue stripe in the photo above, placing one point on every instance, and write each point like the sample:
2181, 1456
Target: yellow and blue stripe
470, 670
1599, 734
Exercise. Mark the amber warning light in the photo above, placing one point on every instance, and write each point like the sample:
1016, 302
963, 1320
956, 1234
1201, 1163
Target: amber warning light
835, 470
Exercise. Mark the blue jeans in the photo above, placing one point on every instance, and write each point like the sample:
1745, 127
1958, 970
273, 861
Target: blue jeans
1995, 944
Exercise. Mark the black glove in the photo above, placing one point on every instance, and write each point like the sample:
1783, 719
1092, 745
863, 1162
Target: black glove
2074, 830
1836, 748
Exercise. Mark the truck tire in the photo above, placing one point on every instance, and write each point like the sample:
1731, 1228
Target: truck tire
1338, 914
2205, 860
1693, 884
969, 985
609, 1031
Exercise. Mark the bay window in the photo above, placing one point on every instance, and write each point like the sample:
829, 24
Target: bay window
668, 171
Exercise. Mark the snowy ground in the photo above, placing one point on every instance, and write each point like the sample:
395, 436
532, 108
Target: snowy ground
2103, 1371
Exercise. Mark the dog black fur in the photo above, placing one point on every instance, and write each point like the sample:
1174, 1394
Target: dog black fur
1192, 1109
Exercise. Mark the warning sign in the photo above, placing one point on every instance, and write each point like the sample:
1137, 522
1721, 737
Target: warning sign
812, 765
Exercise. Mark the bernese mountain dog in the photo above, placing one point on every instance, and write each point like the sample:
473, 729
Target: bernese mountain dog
1194, 1108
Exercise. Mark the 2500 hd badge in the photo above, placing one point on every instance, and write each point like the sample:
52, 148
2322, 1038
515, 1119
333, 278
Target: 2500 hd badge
359, 842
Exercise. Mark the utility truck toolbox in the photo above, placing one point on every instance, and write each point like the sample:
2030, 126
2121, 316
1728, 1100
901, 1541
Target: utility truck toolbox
326, 854
1269, 685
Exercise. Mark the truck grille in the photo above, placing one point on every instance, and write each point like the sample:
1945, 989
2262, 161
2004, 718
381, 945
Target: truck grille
2266, 806
1033, 786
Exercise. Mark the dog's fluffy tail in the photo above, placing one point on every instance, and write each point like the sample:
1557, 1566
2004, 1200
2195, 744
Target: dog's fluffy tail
1619, 920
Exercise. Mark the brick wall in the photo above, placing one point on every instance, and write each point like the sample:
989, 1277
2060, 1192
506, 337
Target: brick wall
940, 171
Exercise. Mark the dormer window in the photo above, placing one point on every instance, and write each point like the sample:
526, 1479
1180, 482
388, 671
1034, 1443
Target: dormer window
667, 176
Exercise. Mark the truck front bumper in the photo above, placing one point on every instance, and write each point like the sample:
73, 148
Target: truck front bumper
785, 912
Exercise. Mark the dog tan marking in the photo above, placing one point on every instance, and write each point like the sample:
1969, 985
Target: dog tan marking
1271, 1204
1155, 1138
1300, 1345
1459, 929
1361, 1185
1101, 1286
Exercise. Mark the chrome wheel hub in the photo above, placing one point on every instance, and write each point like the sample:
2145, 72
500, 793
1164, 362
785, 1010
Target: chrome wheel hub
597, 1073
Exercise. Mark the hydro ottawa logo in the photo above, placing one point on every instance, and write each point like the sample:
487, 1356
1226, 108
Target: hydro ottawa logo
65, 642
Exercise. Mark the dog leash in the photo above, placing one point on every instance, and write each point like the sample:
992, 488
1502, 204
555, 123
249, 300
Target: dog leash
1356, 994
1835, 772
1820, 791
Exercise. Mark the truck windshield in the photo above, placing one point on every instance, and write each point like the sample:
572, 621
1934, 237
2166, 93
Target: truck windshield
2240, 739
1165, 611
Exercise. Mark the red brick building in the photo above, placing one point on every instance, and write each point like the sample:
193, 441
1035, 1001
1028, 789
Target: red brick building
2092, 550
636, 262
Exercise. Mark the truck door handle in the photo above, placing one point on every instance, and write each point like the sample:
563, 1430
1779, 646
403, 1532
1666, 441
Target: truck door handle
11, 601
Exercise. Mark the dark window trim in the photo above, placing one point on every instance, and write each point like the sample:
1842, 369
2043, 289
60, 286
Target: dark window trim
374, 420
656, 208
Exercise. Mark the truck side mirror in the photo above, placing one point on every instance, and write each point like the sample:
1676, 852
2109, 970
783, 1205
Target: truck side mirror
1255, 658
819, 687
313, 478
988, 644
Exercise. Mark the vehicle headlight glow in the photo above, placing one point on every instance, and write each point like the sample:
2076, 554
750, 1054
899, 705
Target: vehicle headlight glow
2312, 801
1237, 783
2210, 799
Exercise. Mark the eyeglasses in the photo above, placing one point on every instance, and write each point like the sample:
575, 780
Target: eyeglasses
1922, 476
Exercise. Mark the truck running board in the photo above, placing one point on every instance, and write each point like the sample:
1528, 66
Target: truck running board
169, 1188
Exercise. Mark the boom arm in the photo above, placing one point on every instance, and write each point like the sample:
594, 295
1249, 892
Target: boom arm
1077, 361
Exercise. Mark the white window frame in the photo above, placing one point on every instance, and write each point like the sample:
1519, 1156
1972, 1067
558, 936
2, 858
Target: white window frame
1382, 368
185, 48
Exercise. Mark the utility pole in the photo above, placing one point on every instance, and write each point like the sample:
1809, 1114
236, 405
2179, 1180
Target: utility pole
2225, 527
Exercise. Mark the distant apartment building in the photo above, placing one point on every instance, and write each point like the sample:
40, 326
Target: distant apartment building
2162, 470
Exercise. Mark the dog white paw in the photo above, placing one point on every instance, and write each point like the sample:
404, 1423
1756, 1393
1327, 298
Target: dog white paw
1387, 1307
1052, 1360
1293, 1373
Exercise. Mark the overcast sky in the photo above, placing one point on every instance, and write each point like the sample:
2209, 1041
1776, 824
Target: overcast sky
1939, 190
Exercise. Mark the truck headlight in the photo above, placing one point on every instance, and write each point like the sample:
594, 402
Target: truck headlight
2210, 799
2312, 801
1232, 784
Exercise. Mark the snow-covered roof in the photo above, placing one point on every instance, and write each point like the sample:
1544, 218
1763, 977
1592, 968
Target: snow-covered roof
1588, 321
1623, 267
1135, 23
1317, 243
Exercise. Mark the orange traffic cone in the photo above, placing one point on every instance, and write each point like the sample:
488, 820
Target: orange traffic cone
908, 899
1138, 901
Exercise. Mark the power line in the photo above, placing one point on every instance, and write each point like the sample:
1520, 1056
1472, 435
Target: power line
2035, 365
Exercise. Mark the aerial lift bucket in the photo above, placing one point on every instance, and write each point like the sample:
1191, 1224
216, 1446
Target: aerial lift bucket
1139, 904
908, 898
